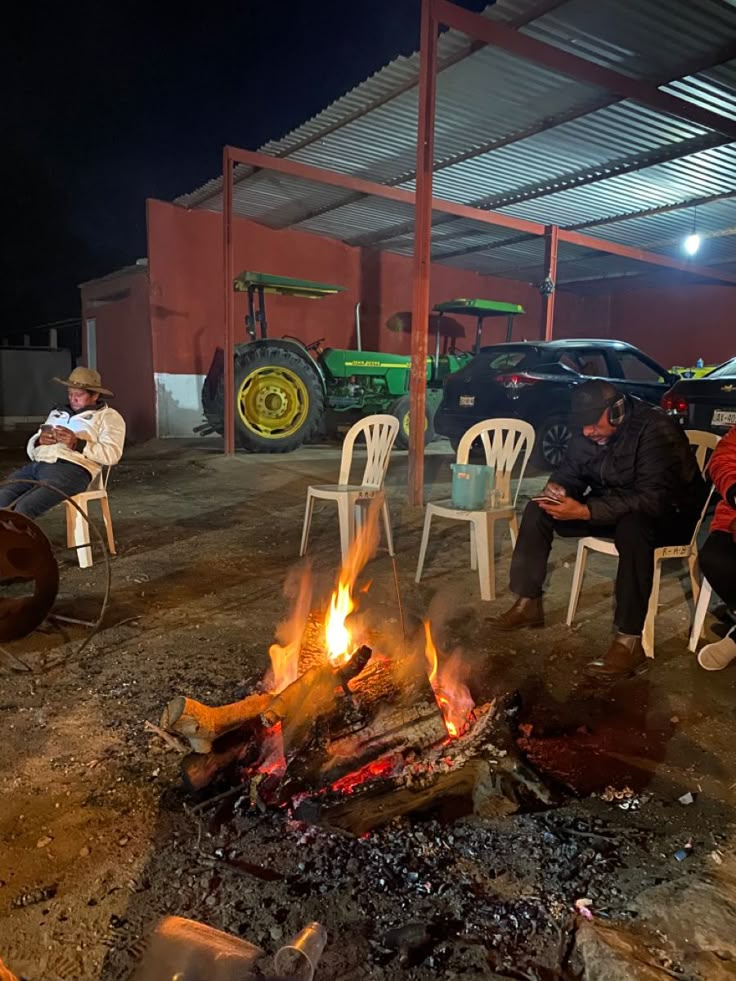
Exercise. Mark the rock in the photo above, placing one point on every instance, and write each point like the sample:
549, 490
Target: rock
84, 852
276, 932
609, 954
698, 913
43, 841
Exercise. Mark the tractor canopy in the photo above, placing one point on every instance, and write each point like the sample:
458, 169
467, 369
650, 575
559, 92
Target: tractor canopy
284, 285
479, 308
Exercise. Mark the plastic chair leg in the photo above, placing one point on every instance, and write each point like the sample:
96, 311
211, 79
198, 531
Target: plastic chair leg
513, 529
473, 548
346, 519
581, 560
647, 637
701, 610
307, 523
107, 519
692, 564
80, 539
425, 542
484, 546
387, 526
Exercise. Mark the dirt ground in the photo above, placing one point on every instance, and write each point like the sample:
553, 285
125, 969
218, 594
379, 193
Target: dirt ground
99, 840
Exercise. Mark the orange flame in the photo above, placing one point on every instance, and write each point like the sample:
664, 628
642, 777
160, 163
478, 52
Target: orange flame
450, 691
338, 639
337, 636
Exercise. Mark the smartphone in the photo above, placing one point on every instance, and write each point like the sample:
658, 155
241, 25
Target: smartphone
547, 500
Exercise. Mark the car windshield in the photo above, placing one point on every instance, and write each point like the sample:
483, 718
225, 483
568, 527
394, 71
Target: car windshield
727, 370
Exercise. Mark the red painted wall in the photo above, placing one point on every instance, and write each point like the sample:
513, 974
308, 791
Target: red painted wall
119, 304
185, 264
678, 325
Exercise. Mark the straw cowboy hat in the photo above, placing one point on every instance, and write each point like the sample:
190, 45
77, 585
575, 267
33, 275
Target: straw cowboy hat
86, 378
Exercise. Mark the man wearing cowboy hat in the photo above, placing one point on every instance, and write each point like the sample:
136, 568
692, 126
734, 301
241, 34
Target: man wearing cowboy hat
69, 449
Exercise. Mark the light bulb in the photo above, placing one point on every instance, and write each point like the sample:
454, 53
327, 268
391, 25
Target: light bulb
692, 244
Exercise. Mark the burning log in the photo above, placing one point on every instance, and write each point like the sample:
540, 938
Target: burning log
198, 770
202, 724
479, 773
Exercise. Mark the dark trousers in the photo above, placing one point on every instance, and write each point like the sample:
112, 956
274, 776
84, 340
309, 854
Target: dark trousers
635, 535
718, 564
32, 501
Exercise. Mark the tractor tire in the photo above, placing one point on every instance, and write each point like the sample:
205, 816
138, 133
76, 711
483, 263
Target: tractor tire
400, 409
551, 442
279, 400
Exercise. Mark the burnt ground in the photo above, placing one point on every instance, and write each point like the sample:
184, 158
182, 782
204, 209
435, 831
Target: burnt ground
99, 840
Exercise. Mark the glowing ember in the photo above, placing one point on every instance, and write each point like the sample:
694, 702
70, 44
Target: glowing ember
337, 636
382, 767
450, 691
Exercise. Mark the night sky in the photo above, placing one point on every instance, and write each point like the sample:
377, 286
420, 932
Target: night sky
107, 104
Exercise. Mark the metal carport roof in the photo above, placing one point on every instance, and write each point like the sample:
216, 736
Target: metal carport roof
527, 141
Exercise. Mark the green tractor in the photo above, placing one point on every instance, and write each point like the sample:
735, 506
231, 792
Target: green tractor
287, 391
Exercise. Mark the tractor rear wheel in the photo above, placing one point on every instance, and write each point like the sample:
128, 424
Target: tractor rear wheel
278, 399
400, 409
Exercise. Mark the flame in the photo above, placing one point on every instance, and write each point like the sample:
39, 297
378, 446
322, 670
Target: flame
284, 653
337, 636
450, 691
339, 642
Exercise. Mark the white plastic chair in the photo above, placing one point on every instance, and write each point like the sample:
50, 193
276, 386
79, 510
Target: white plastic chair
77, 528
380, 433
504, 441
703, 444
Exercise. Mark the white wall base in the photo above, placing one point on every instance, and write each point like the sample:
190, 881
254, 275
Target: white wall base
178, 404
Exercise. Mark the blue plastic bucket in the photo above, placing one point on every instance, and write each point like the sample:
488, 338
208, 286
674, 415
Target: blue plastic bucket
471, 483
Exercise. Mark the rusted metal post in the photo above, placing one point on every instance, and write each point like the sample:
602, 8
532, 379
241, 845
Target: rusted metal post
228, 275
422, 251
551, 234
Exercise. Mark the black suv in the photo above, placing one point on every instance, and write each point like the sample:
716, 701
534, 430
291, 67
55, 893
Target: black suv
533, 380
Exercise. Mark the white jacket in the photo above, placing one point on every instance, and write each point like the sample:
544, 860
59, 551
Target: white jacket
104, 432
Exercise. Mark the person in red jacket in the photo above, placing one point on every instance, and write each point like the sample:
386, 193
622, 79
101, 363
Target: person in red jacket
718, 555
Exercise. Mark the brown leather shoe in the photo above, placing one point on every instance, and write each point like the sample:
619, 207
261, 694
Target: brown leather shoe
621, 659
524, 613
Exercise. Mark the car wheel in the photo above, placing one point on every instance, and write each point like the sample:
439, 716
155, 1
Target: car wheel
551, 443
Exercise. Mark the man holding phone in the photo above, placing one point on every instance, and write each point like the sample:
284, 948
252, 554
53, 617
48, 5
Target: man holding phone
629, 474
67, 452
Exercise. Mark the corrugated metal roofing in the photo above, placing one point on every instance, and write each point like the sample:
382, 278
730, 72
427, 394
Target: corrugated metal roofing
519, 138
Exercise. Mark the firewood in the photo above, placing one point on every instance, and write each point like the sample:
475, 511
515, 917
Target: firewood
200, 769
203, 724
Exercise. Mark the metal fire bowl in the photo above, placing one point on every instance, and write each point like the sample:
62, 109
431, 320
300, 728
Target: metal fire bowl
26, 556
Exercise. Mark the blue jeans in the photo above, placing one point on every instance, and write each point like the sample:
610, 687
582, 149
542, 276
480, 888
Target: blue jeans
67, 477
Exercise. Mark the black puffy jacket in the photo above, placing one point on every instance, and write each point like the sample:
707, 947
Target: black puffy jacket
648, 467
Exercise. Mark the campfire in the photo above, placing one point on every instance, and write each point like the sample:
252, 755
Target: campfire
347, 735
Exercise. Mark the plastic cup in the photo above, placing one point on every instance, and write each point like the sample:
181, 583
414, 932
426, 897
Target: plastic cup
299, 958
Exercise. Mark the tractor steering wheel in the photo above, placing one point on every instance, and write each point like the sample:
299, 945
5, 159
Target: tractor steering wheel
316, 346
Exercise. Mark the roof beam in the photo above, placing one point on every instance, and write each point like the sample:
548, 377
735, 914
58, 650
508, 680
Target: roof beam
557, 60
293, 168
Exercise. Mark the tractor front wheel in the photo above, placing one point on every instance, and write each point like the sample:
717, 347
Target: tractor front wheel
400, 409
278, 399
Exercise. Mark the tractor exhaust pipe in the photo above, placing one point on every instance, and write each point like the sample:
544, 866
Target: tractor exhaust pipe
358, 338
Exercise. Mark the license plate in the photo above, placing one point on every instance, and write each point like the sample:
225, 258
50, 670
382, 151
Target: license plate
466, 400
724, 417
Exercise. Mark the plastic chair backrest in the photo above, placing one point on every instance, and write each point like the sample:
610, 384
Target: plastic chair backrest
503, 441
703, 444
380, 432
